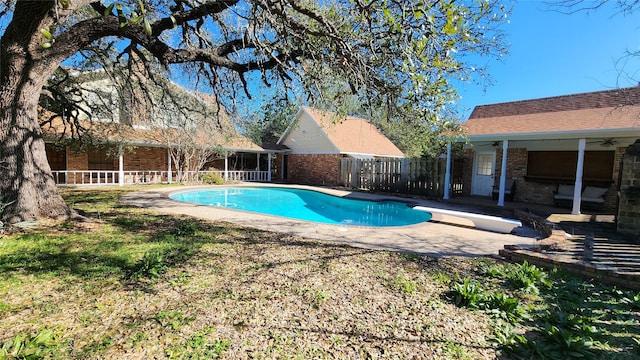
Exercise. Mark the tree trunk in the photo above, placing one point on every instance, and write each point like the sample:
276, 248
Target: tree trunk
25, 176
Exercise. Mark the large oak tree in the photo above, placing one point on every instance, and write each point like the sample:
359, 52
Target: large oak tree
400, 56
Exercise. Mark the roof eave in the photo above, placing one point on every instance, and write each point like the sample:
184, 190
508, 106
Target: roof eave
569, 134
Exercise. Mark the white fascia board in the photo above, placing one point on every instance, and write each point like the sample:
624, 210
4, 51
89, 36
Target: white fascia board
571, 134
313, 153
372, 155
291, 123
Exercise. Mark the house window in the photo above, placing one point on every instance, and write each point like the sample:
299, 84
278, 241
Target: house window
98, 160
561, 165
485, 164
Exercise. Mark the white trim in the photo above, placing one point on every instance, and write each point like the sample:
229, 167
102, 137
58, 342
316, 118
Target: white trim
556, 135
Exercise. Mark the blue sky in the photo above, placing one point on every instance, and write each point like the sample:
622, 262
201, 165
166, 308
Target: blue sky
557, 54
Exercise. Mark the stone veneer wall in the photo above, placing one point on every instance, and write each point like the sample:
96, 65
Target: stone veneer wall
314, 169
629, 207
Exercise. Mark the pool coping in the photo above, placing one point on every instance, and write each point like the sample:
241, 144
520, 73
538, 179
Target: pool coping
430, 238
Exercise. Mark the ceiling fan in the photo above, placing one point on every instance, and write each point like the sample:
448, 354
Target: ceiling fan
604, 142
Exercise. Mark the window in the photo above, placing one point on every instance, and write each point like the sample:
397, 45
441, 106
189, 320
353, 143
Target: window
561, 165
485, 164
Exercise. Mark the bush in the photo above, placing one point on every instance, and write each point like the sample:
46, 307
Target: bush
211, 178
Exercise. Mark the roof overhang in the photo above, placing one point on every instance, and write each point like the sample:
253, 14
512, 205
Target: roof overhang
556, 135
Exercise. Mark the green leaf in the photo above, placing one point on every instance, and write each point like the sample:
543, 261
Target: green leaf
136, 19
64, 3
174, 21
46, 34
109, 9
147, 27
46, 45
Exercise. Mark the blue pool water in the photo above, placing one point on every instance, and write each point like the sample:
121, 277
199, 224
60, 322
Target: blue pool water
306, 205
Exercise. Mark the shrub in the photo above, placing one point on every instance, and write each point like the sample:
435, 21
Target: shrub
151, 266
211, 178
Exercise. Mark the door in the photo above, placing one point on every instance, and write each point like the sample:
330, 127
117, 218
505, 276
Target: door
483, 173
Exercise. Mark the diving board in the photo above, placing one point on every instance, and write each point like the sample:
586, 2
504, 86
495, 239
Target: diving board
478, 221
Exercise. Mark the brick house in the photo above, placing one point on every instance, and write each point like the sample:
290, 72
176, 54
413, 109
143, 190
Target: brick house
576, 140
316, 141
145, 131
127, 154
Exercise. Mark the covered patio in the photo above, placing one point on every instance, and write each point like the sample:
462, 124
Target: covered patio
541, 145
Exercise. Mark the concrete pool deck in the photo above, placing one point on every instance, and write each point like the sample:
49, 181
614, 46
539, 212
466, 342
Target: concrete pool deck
430, 238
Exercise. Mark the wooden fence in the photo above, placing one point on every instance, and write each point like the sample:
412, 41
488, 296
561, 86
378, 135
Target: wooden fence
407, 176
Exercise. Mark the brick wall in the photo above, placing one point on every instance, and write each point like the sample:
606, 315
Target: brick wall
145, 158
77, 160
528, 191
314, 169
629, 208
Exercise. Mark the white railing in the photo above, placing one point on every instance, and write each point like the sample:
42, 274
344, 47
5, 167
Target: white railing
104, 177
232, 175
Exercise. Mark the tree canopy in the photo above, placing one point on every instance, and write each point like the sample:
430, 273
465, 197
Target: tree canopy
398, 57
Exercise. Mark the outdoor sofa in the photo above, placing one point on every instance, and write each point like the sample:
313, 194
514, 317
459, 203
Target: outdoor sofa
591, 195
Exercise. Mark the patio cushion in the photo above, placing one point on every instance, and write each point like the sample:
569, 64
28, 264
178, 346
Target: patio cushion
565, 190
592, 192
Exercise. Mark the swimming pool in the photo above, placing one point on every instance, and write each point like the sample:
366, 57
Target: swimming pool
306, 205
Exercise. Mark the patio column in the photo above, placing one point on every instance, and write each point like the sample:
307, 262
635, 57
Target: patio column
269, 167
169, 174
447, 173
226, 166
120, 166
577, 189
503, 172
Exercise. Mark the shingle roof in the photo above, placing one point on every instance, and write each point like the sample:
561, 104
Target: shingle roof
354, 135
153, 136
611, 109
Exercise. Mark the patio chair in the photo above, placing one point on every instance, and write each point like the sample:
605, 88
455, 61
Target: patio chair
509, 190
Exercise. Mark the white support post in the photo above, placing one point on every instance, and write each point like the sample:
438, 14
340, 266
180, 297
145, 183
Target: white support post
503, 172
577, 190
226, 166
258, 161
269, 167
447, 173
120, 167
169, 174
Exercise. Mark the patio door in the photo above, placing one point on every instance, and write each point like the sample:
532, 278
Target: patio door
484, 167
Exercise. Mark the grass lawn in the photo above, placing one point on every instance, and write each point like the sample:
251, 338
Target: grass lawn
134, 284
